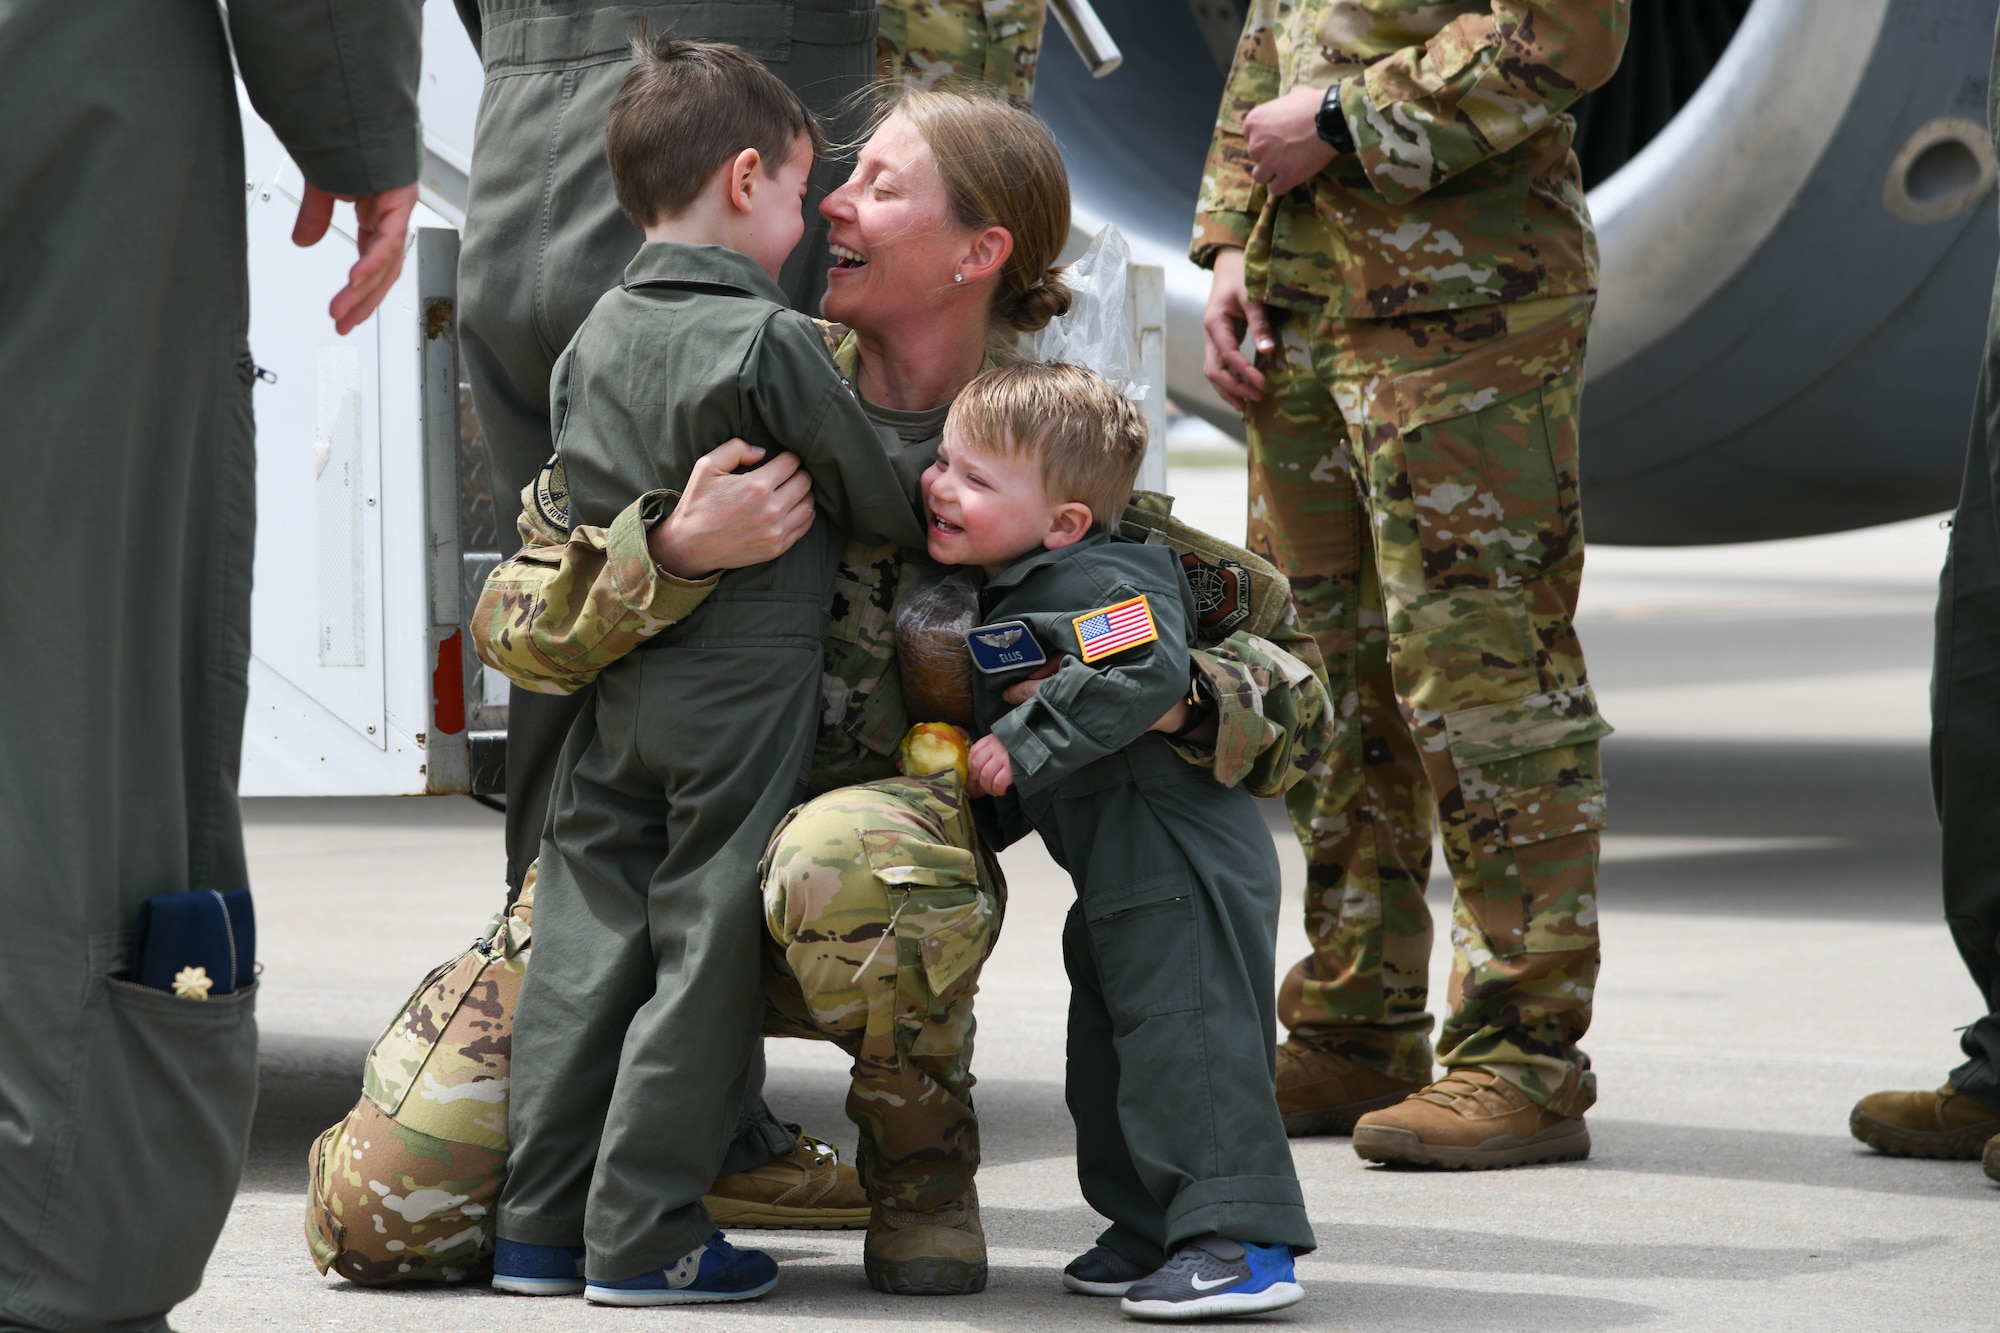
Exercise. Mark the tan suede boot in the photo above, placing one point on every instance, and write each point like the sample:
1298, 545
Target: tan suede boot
1323, 1093
1945, 1123
939, 1253
1470, 1120
808, 1189
1989, 1161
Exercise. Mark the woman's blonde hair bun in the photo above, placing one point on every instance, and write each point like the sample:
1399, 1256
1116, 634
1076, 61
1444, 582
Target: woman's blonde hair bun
1031, 308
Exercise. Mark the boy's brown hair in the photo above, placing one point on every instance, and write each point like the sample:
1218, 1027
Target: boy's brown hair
1088, 437
684, 110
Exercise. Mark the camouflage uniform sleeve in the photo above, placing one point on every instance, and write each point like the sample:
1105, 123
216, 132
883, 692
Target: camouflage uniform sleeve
1229, 203
1481, 85
1274, 720
568, 604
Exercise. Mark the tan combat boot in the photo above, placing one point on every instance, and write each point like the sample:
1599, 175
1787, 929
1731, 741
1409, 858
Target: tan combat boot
809, 1188
1323, 1093
1469, 1120
939, 1253
1945, 1123
1989, 1161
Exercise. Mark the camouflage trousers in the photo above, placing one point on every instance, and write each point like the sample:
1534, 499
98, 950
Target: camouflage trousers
928, 43
881, 910
1416, 478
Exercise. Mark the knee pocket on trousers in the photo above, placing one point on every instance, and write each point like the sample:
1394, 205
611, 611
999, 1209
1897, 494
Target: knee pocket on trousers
1143, 935
155, 1069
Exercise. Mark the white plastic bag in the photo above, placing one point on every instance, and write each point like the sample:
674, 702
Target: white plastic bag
1097, 332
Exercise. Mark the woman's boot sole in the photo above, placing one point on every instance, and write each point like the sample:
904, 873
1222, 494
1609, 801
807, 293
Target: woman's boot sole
1401, 1147
925, 1277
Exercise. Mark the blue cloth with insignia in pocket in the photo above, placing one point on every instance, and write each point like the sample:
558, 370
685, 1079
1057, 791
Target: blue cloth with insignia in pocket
208, 929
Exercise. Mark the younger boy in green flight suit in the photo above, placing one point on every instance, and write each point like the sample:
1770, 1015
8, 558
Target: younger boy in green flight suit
636, 1025
1170, 946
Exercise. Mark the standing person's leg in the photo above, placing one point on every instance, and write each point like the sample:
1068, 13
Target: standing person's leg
129, 416
829, 63
1959, 1118
1360, 1034
1470, 460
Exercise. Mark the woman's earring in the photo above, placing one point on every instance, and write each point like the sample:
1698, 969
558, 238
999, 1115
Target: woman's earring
958, 277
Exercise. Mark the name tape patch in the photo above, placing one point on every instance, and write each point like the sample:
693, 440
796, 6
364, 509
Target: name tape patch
1113, 629
1004, 647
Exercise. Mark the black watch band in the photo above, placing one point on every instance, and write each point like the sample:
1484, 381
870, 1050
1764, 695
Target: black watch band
1331, 122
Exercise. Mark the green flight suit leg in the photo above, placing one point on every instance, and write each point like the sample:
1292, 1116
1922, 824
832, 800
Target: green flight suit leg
1170, 951
1965, 729
125, 383
646, 992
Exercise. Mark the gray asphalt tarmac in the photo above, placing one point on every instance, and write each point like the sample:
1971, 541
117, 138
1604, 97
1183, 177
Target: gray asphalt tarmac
1773, 951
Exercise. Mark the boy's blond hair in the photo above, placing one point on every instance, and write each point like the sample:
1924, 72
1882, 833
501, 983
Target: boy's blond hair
1088, 437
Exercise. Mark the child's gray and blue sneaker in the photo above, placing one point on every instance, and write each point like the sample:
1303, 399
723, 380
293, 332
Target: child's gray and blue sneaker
1102, 1271
1214, 1276
537, 1270
718, 1271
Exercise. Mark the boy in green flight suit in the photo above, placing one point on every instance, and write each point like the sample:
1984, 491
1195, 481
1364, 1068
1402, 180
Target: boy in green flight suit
635, 1031
1170, 947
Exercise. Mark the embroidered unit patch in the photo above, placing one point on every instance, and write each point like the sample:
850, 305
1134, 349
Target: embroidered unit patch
1113, 629
1004, 647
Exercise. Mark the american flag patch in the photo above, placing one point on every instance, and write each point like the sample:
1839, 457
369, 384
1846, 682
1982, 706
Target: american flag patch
1113, 629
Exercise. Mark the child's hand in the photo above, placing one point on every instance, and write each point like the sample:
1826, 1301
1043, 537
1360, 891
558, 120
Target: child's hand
992, 773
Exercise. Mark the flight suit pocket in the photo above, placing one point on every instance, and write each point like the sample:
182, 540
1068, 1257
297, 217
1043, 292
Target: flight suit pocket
1143, 934
165, 1091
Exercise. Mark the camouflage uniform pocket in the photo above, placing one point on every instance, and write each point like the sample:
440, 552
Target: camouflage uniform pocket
944, 924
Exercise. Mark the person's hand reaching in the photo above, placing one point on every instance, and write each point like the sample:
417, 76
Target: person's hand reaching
384, 222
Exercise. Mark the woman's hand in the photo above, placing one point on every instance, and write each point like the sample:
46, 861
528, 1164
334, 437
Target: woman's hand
1176, 717
1230, 312
727, 520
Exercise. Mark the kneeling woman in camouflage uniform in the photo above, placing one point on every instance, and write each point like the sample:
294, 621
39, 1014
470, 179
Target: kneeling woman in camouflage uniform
881, 902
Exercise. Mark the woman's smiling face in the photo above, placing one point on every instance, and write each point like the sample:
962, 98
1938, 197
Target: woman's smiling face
895, 245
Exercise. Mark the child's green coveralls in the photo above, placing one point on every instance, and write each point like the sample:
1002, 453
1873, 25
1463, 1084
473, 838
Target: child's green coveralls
638, 1021
1171, 944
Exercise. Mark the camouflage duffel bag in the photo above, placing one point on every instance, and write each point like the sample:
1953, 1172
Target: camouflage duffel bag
403, 1189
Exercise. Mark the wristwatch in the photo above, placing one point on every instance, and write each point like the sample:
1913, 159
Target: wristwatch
1331, 121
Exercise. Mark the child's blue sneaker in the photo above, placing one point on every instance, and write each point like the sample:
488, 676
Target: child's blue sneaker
537, 1270
718, 1271
1214, 1276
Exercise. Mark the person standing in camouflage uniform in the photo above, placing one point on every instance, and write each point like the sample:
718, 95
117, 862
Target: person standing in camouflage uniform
1393, 212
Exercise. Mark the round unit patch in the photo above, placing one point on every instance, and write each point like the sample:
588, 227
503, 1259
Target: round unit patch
1221, 590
